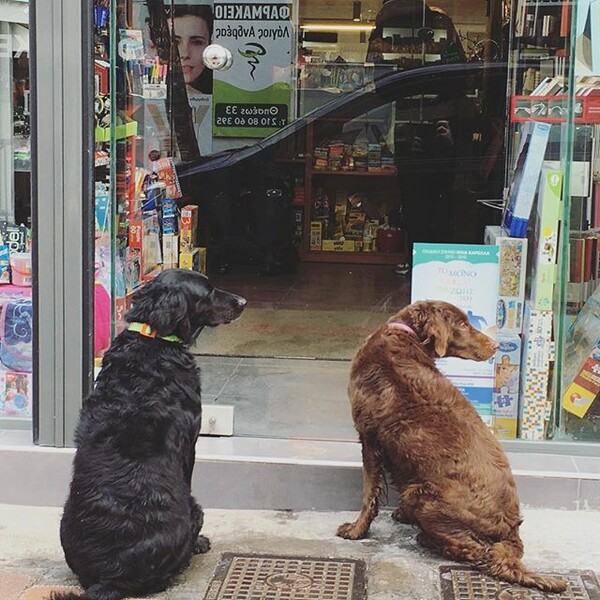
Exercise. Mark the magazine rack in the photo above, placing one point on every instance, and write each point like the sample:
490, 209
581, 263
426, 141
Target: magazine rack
555, 51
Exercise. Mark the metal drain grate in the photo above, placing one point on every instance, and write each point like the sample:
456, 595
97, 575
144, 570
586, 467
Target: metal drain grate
468, 584
263, 577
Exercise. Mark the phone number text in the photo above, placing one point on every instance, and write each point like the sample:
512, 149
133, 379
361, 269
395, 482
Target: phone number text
251, 115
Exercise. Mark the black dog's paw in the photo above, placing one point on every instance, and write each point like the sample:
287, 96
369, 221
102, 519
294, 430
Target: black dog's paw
202, 545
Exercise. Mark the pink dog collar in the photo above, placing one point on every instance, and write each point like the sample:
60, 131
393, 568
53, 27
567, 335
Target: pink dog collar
403, 326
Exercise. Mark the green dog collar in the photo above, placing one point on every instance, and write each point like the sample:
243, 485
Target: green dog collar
147, 331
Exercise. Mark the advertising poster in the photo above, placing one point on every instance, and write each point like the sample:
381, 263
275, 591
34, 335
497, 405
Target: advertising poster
253, 97
467, 276
192, 22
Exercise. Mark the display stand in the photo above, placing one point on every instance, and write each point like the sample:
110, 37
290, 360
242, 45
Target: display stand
546, 42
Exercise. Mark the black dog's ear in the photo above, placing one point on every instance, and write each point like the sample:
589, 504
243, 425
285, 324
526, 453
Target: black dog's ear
162, 307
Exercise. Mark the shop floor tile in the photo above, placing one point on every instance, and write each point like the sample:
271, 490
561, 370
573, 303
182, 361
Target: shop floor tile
266, 577
12, 584
468, 584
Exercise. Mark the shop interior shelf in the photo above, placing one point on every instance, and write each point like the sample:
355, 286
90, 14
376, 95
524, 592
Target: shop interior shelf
331, 256
356, 173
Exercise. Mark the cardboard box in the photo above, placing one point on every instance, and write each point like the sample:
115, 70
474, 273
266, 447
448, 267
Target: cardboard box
512, 270
505, 399
15, 394
202, 259
144, 249
355, 225
582, 391
194, 260
535, 373
316, 235
170, 248
581, 367
188, 228
544, 251
527, 174
465, 275
133, 268
339, 245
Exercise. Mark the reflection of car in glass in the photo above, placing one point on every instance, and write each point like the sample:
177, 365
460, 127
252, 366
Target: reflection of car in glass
443, 127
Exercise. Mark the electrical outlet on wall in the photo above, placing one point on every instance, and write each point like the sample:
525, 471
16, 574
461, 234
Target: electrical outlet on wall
217, 419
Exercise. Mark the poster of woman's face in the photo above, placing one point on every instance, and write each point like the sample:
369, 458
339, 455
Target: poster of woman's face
192, 26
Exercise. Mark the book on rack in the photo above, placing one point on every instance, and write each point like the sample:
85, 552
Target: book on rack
526, 177
582, 371
583, 269
545, 239
596, 206
549, 86
565, 19
520, 18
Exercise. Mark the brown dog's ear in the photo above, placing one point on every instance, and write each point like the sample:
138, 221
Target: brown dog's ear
437, 330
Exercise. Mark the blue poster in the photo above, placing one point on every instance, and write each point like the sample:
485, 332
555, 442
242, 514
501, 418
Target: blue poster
467, 276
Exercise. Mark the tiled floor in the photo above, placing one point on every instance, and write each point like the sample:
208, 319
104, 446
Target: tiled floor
321, 286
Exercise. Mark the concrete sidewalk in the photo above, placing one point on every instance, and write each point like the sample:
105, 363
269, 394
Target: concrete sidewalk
31, 560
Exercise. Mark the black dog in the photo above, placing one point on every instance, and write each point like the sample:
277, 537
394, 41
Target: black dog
130, 523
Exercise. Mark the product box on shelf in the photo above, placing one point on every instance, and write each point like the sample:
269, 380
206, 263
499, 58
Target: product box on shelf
505, 400
581, 372
512, 270
535, 372
465, 275
20, 268
545, 240
298, 220
101, 77
4, 264
121, 308
133, 269
170, 250
355, 225
188, 228
527, 174
339, 245
585, 387
15, 394
14, 236
194, 260
169, 219
151, 248
143, 255
316, 235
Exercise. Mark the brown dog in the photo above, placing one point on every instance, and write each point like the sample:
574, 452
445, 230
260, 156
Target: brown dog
452, 475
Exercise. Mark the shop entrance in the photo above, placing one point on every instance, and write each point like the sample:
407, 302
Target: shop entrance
330, 137
398, 132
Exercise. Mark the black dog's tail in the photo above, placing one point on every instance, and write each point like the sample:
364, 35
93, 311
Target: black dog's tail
100, 591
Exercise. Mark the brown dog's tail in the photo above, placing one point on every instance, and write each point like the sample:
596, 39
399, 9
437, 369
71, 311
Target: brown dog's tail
100, 591
500, 561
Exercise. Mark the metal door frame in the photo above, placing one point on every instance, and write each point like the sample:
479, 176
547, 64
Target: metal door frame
62, 148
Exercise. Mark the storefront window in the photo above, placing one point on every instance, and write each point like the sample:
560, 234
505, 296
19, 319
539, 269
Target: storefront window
16, 378
294, 152
579, 348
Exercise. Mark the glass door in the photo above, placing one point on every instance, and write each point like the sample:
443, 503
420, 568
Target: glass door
16, 309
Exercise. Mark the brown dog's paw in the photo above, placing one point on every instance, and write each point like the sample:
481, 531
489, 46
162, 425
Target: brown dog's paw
202, 545
350, 531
